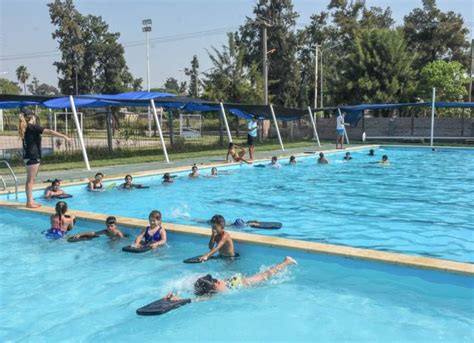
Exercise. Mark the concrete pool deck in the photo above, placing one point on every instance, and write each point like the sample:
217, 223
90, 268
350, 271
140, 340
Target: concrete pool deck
118, 172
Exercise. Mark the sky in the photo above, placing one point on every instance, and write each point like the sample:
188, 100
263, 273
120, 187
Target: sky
180, 29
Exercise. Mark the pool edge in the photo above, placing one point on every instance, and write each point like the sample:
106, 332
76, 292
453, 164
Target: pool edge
419, 262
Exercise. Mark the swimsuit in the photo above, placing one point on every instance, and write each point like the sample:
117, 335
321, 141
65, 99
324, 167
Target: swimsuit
235, 281
54, 233
152, 239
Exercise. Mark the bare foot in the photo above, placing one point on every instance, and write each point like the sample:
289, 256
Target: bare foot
290, 260
33, 205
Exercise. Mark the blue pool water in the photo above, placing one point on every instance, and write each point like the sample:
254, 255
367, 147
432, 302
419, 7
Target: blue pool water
420, 204
89, 291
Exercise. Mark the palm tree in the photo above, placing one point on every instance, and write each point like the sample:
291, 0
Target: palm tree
22, 75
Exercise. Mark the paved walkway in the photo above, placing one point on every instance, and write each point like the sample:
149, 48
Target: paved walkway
82, 174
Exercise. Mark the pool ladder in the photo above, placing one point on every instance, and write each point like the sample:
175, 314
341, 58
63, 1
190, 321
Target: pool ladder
14, 178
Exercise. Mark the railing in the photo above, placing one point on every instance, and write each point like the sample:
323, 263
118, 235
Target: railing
14, 178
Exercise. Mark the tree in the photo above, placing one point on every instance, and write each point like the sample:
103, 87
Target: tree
92, 58
283, 69
9, 87
171, 85
230, 80
378, 68
22, 75
36, 88
433, 35
449, 78
193, 74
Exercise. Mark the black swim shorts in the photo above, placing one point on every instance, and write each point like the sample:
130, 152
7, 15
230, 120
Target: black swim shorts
251, 140
32, 161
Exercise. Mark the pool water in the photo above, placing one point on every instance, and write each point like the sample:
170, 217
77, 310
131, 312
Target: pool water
420, 204
89, 291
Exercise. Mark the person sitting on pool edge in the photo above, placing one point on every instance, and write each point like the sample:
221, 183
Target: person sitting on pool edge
206, 286
236, 156
348, 156
96, 184
167, 178
111, 230
152, 236
220, 240
128, 184
322, 159
61, 222
194, 172
54, 190
371, 152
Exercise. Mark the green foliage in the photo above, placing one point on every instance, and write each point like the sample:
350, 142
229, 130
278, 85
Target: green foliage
378, 68
36, 88
22, 75
433, 35
193, 74
171, 85
90, 53
449, 78
9, 87
230, 80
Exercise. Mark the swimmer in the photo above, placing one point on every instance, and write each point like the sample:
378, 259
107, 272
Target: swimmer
274, 163
371, 152
167, 178
213, 173
206, 286
322, 159
54, 190
96, 184
111, 230
194, 172
385, 160
220, 240
236, 156
61, 222
128, 184
152, 236
348, 156
292, 160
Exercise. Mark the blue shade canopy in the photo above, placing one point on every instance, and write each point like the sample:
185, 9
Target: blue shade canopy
61, 103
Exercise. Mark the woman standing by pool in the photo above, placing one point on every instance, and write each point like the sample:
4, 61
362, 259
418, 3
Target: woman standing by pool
30, 133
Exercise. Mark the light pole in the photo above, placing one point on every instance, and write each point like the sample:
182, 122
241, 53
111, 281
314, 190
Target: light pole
146, 27
316, 59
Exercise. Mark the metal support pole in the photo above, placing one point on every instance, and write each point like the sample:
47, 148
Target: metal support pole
313, 122
50, 125
65, 121
229, 135
321, 84
265, 64
159, 130
316, 58
432, 116
55, 122
276, 127
170, 126
108, 122
82, 122
79, 132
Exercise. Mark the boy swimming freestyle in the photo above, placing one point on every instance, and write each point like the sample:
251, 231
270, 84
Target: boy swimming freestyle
220, 240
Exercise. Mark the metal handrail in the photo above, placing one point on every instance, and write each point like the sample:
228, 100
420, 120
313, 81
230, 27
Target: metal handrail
14, 177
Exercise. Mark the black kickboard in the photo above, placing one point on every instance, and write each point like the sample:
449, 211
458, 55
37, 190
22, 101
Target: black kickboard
218, 257
268, 226
161, 306
62, 196
142, 187
80, 239
259, 166
135, 250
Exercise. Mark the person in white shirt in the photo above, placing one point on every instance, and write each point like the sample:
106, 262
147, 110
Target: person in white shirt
340, 130
252, 136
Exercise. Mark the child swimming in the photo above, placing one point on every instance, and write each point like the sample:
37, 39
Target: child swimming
111, 230
322, 159
194, 172
61, 222
220, 240
152, 236
128, 184
96, 184
54, 190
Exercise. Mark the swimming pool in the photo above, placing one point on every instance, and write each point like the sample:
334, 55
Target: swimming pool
420, 204
89, 291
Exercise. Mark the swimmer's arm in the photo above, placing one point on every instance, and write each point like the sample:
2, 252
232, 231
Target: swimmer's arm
265, 275
48, 194
212, 240
139, 238
213, 251
161, 242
